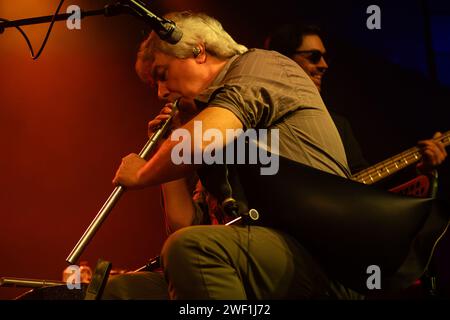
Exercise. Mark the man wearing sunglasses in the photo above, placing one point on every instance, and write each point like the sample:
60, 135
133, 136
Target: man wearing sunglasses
303, 44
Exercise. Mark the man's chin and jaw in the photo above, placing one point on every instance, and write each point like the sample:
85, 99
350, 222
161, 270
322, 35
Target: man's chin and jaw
317, 80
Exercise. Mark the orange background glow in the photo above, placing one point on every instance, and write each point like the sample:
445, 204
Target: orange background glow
66, 121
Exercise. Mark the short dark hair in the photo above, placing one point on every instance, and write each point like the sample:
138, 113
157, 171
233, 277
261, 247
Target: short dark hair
287, 38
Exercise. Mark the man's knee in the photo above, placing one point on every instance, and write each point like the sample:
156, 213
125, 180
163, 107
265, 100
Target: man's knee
136, 286
188, 245
114, 289
180, 244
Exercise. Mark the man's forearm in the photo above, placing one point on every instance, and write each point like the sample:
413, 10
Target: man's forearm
178, 206
160, 168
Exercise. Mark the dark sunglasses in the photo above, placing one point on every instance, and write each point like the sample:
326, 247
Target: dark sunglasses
313, 56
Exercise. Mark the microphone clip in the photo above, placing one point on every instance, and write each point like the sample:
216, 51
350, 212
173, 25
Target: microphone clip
231, 207
166, 29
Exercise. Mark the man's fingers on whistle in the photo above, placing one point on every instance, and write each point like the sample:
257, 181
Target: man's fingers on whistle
130, 156
166, 110
155, 123
162, 117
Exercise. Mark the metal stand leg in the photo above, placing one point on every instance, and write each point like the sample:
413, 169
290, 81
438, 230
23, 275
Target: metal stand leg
153, 264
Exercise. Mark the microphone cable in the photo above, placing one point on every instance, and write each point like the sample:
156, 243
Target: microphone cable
35, 57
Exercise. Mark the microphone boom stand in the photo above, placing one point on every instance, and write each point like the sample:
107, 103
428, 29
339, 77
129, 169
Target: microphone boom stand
108, 11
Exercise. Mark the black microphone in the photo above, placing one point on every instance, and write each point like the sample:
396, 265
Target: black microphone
164, 28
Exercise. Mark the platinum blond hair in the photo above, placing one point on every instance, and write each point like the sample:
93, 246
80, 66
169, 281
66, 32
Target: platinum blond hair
197, 28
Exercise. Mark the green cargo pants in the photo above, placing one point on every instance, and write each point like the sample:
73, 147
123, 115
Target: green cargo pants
230, 262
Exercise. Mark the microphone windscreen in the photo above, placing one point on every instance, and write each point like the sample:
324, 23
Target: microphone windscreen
175, 36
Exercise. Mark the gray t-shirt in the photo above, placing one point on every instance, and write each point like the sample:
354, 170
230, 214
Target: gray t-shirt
265, 89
